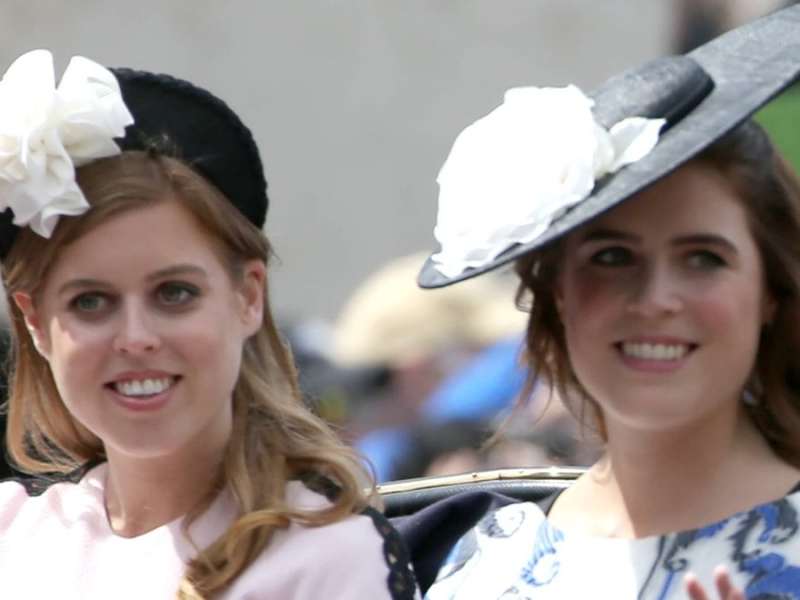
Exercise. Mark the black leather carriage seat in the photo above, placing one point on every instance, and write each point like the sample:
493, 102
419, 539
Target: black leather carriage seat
432, 513
532, 484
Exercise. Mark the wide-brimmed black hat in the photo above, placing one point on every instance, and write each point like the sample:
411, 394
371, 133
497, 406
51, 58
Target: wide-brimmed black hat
702, 96
177, 118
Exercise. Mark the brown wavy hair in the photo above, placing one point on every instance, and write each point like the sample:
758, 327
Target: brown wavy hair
274, 439
769, 190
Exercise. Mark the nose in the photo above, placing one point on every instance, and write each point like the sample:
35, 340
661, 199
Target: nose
136, 334
656, 293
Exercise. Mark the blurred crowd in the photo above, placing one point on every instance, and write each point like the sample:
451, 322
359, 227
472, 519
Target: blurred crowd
431, 382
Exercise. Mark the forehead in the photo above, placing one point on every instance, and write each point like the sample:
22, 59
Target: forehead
137, 241
694, 197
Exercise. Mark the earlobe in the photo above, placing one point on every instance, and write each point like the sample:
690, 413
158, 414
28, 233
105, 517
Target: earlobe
24, 303
26, 306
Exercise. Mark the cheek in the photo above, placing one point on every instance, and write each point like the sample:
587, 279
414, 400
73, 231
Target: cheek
731, 312
588, 303
77, 359
75, 348
590, 314
206, 345
211, 349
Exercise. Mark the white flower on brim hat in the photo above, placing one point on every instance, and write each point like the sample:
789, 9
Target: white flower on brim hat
47, 131
514, 171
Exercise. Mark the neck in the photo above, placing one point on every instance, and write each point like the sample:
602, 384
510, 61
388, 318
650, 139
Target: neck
145, 493
657, 482
640, 461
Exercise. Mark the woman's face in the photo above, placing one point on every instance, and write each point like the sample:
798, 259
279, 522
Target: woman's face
143, 329
662, 301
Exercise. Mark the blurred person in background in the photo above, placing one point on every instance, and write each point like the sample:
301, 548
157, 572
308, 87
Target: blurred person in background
698, 21
332, 391
478, 419
530, 439
426, 342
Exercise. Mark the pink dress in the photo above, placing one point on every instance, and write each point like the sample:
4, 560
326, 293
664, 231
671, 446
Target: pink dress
59, 545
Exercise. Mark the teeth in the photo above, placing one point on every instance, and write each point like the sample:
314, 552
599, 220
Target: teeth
655, 351
142, 387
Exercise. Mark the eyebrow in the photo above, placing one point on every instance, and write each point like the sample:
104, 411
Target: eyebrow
691, 239
181, 269
706, 239
172, 271
601, 235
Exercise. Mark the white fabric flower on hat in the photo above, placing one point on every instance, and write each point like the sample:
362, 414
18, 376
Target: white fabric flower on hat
512, 172
47, 131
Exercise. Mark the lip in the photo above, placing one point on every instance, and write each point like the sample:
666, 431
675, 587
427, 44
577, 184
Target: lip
143, 404
651, 365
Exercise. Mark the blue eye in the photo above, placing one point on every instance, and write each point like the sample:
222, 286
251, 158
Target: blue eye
614, 256
90, 302
176, 294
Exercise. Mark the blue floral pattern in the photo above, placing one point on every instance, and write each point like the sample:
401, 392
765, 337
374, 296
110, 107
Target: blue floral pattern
514, 553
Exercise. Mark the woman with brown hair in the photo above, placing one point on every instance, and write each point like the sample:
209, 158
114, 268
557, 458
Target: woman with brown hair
148, 381
656, 233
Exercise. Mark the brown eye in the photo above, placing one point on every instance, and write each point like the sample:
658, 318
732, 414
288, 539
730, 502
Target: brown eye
705, 259
176, 294
615, 256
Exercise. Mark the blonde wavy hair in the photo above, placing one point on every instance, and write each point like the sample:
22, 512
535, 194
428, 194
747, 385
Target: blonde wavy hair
274, 439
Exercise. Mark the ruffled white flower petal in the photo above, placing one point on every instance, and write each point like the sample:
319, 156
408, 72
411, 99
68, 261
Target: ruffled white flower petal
92, 109
513, 171
45, 132
633, 139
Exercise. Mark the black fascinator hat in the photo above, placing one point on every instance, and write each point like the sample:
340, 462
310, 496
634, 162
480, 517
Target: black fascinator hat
696, 99
95, 112
177, 117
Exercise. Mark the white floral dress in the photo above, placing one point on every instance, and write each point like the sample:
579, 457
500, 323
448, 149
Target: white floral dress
515, 553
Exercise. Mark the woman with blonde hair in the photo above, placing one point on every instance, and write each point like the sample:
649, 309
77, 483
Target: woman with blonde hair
656, 234
149, 388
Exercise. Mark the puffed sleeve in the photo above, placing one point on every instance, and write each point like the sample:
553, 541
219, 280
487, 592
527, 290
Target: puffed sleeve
359, 558
13, 497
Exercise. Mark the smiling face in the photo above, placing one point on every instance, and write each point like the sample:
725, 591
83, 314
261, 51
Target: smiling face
143, 328
662, 301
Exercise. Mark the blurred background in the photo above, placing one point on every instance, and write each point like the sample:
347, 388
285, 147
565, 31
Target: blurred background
355, 105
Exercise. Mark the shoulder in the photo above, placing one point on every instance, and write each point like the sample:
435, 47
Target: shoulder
67, 497
33, 511
361, 556
13, 498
